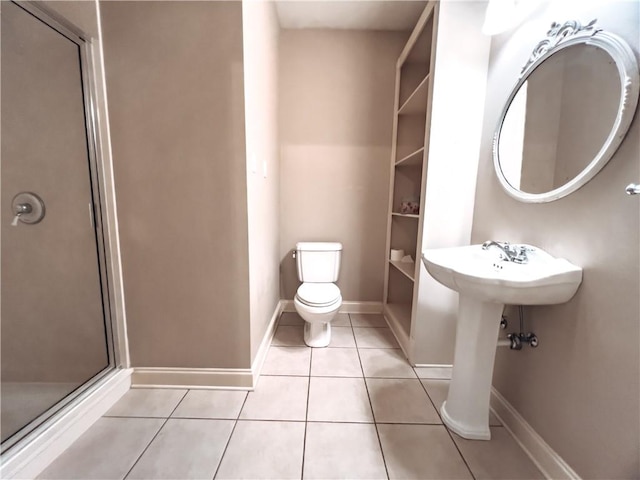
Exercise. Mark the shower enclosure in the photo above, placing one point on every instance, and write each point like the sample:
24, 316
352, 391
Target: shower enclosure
55, 318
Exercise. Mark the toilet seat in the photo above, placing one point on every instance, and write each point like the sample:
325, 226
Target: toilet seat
318, 294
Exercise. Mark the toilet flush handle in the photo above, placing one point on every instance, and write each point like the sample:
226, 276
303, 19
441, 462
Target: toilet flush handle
632, 189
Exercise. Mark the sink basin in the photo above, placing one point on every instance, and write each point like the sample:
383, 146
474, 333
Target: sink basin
482, 274
486, 282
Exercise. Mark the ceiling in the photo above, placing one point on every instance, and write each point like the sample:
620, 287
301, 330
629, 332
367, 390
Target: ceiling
350, 14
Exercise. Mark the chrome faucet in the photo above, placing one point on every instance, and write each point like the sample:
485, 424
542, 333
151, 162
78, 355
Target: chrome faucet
510, 253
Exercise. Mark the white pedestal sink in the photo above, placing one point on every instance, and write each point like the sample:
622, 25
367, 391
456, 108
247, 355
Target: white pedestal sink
486, 281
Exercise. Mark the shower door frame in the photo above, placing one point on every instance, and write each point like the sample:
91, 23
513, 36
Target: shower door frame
106, 247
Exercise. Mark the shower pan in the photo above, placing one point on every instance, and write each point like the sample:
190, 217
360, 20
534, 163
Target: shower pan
55, 316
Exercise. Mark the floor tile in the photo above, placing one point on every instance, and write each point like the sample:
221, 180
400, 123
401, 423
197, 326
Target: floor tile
338, 400
400, 401
438, 390
185, 449
290, 318
287, 361
341, 320
368, 320
375, 338
106, 451
211, 404
385, 363
264, 450
277, 398
342, 337
421, 452
342, 450
147, 402
335, 362
498, 458
288, 336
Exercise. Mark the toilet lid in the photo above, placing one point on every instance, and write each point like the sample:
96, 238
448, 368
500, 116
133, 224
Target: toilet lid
318, 294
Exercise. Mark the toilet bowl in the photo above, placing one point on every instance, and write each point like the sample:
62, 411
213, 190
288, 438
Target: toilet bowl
318, 299
317, 304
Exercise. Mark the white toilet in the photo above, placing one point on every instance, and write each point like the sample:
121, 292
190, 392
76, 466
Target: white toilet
318, 299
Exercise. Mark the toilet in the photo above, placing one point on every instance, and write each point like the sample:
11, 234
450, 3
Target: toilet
318, 299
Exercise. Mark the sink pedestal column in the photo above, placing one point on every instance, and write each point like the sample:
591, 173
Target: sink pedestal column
466, 411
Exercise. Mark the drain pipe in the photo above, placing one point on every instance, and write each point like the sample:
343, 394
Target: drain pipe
515, 340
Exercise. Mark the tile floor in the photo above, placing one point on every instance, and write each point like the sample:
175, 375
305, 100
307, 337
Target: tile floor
354, 410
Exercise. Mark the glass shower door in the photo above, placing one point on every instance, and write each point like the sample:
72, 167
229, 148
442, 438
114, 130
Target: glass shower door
55, 335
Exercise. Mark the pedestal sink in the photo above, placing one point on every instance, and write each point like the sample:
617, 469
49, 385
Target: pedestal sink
487, 277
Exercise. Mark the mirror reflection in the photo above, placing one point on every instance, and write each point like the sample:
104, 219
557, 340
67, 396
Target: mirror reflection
559, 119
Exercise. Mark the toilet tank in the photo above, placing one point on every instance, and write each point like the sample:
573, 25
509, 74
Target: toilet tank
318, 262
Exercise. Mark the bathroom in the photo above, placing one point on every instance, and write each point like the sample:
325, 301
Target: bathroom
226, 132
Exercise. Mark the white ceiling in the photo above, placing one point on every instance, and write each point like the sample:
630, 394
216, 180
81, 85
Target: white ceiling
349, 14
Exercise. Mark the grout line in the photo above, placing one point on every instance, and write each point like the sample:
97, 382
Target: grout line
227, 419
445, 427
173, 418
306, 417
375, 424
230, 436
367, 348
460, 452
276, 420
155, 436
431, 400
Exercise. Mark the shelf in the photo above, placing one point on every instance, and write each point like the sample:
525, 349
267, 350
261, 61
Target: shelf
417, 101
400, 315
405, 215
407, 269
413, 159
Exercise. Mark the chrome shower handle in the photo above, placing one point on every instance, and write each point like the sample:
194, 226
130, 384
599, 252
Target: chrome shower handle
27, 208
23, 208
632, 189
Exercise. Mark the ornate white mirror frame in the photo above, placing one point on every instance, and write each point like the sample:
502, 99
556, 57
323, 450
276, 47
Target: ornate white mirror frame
558, 38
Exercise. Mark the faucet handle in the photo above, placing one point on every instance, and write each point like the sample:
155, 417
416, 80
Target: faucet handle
520, 254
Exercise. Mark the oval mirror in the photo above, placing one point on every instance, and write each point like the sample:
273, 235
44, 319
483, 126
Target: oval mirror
567, 114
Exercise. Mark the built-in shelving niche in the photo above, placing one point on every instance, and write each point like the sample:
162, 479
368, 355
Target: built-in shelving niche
400, 297
408, 172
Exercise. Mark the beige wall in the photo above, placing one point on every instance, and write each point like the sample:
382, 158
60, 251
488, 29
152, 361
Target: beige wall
260, 39
336, 112
52, 318
175, 89
579, 388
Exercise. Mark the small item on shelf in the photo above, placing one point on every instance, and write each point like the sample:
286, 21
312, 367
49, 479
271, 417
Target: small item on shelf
410, 205
406, 259
396, 255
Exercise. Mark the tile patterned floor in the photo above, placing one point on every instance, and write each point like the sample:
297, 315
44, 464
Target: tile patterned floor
353, 410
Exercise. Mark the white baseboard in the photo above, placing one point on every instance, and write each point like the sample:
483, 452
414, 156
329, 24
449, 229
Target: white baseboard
361, 307
261, 355
546, 459
200, 378
438, 372
346, 307
31, 459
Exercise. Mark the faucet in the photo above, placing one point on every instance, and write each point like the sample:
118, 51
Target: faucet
510, 253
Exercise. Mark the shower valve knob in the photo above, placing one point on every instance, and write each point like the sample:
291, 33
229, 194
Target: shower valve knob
23, 208
27, 208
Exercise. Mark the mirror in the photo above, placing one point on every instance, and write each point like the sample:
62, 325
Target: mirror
567, 114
